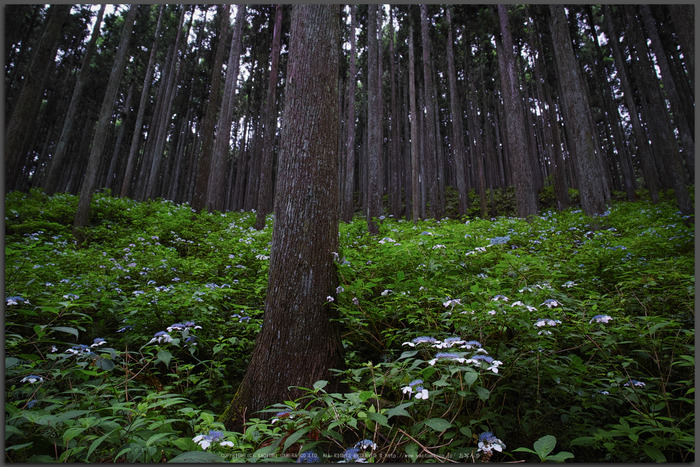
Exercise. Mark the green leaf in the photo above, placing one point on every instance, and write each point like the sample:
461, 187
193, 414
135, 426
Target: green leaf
412, 451
105, 364
11, 361
562, 456
72, 432
165, 357
545, 445
470, 377
95, 444
654, 453
438, 424
483, 393
294, 437
196, 457
318, 385
399, 410
400, 276
66, 330
379, 418
365, 395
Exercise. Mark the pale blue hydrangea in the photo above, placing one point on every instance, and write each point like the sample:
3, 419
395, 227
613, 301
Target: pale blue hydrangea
550, 303
421, 340
98, 341
161, 337
601, 319
453, 357
366, 444
214, 436
635, 383
449, 342
31, 379
488, 442
500, 240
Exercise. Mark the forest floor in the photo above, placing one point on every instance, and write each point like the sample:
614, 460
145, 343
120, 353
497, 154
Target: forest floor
565, 337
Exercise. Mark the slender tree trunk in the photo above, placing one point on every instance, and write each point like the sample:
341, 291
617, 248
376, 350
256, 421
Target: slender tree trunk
145, 94
683, 17
685, 135
21, 124
518, 151
56, 163
646, 159
394, 148
208, 128
98, 141
458, 150
415, 189
374, 125
349, 182
269, 127
299, 342
431, 158
576, 109
216, 186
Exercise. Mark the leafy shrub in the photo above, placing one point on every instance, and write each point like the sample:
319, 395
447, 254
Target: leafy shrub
584, 325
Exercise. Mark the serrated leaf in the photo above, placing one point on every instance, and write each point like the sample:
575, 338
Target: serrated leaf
196, 457
438, 424
379, 418
470, 377
545, 445
655, 454
318, 385
412, 451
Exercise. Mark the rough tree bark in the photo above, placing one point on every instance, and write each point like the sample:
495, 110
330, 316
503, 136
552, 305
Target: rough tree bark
525, 193
265, 186
56, 164
217, 186
98, 141
21, 123
415, 189
299, 342
208, 127
349, 182
374, 125
576, 108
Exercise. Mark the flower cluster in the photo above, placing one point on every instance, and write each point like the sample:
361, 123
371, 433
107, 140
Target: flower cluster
9, 301
357, 453
601, 319
184, 328
489, 443
214, 436
415, 385
31, 379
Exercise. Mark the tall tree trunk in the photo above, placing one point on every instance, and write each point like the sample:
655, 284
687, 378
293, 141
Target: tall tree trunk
458, 151
685, 135
208, 128
518, 150
300, 342
58, 158
265, 185
643, 149
98, 141
374, 125
394, 142
430, 147
576, 121
349, 182
415, 189
145, 94
217, 175
683, 17
22, 121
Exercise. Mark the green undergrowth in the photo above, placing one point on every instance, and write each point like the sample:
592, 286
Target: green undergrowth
568, 337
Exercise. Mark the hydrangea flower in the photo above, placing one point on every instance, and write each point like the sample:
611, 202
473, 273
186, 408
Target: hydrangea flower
447, 356
549, 303
421, 392
31, 379
366, 444
80, 349
436, 247
492, 364
488, 443
452, 302
449, 342
635, 383
31, 403
71, 296
546, 322
9, 301
499, 297
601, 319
161, 337
353, 455
387, 239
98, 342
308, 457
283, 414
421, 340
125, 328
214, 436
500, 240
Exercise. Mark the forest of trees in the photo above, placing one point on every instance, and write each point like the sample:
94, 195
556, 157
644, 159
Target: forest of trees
185, 102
